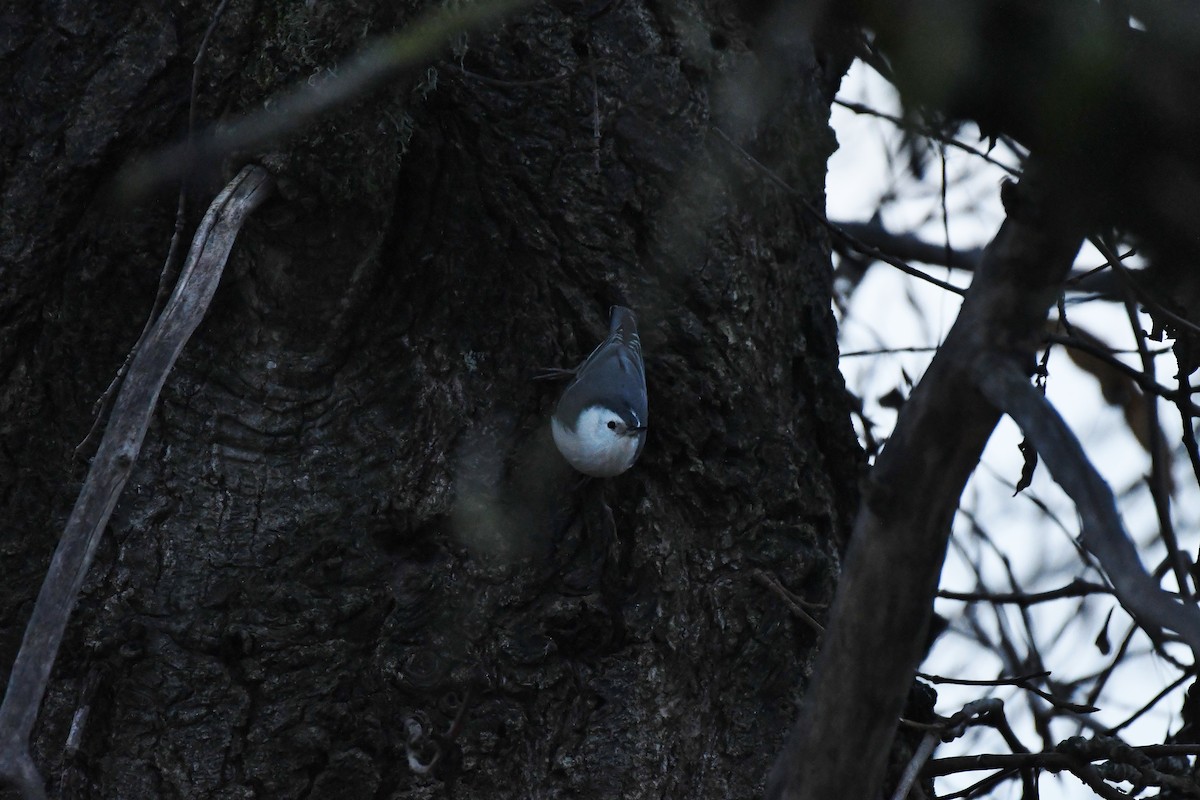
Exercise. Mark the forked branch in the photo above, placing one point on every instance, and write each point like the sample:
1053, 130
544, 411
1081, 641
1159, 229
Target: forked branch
1102, 532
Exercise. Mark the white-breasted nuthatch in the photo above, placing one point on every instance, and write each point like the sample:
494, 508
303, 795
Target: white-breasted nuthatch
599, 424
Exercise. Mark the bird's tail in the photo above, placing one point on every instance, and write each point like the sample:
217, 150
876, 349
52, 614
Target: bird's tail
622, 319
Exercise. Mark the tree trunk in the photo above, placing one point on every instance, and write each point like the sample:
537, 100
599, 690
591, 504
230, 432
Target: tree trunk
348, 562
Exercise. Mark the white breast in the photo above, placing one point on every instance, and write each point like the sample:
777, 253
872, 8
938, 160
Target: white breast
593, 448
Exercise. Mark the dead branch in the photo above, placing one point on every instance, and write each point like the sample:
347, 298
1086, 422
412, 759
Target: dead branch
291, 111
131, 416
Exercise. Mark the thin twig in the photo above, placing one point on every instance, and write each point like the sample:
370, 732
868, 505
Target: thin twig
866, 249
1087, 272
910, 247
132, 413
1186, 417
1076, 588
1160, 468
1144, 297
1014, 681
1175, 684
1022, 682
979, 788
1052, 762
790, 600
1102, 677
887, 351
879, 255
1143, 381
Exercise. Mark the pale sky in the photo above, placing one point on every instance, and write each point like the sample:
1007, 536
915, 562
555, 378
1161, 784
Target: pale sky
890, 309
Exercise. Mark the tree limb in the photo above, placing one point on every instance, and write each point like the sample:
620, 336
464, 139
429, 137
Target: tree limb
877, 628
1103, 534
910, 246
111, 467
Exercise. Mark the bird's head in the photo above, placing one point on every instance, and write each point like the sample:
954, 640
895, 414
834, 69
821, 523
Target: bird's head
603, 442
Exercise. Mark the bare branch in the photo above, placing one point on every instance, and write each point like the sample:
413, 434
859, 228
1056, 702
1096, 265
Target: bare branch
986, 711
791, 601
1186, 414
926, 131
1147, 299
1021, 681
886, 351
1103, 534
1075, 755
111, 467
879, 255
910, 247
1013, 681
1144, 382
1151, 703
833, 227
885, 596
1076, 588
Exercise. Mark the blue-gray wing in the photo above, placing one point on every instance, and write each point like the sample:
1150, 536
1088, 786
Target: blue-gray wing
616, 364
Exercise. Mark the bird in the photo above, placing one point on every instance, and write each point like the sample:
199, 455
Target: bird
599, 424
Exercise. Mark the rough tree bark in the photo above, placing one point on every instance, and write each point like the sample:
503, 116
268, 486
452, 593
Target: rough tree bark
331, 565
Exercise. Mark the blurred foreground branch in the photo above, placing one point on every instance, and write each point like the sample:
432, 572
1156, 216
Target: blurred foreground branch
291, 111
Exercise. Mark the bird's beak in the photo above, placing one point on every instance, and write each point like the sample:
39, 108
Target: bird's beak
632, 431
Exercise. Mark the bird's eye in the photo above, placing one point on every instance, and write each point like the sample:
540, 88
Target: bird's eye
612, 425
